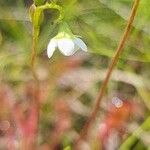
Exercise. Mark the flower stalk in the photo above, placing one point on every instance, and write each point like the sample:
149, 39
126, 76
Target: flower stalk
85, 130
35, 14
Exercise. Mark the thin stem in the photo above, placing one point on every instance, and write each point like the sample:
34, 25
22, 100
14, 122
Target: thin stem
35, 16
35, 99
135, 135
119, 50
53, 5
35, 35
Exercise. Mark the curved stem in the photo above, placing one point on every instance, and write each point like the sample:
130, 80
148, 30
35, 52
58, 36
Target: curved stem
53, 6
35, 16
119, 50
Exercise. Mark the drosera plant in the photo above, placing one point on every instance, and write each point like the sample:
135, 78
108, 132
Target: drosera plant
36, 11
35, 15
65, 40
68, 44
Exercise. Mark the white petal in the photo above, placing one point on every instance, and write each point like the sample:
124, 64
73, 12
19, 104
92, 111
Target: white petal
80, 44
51, 47
76, 47
66, 46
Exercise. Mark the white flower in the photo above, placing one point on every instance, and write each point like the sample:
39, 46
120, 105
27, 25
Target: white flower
66, 42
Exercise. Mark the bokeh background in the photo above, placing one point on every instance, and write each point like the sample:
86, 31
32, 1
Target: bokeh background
69, 85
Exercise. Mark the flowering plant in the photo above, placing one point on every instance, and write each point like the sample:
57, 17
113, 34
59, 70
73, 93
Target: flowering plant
66, 41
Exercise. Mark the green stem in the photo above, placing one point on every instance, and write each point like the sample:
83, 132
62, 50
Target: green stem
35, 37
35, 13
36, 102
53, 6
136, 134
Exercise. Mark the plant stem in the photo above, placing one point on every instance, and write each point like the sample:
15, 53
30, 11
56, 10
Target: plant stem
119, 50
135, 135
35, 36
35, 13
36, 102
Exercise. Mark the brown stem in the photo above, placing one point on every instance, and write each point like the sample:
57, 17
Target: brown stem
119, 50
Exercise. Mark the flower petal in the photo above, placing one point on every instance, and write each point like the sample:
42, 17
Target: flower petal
51, 47
66, 46
80, 44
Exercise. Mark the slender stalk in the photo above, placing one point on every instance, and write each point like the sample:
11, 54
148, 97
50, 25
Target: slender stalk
119, 50
35, 35
35, 13
36, 103
135, 135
